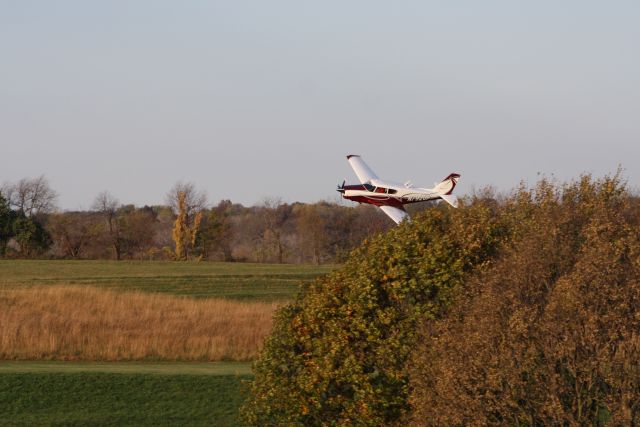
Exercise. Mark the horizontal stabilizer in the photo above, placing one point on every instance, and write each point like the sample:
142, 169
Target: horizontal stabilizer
451, 199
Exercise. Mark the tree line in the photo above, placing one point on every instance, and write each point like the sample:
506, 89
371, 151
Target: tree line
185, 227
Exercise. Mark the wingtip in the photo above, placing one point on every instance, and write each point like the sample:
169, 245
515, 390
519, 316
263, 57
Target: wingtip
352, 155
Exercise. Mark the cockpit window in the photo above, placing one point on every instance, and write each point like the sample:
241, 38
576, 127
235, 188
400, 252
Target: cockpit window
381, 190
392, 191
369, 187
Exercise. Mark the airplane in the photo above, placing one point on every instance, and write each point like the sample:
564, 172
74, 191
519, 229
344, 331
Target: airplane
391, 197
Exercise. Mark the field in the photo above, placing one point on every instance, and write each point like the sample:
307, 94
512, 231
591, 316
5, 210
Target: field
72, 322
81, 310
121, 394
242, 281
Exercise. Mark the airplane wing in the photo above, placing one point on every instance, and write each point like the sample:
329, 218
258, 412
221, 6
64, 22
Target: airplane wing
396, 214
364, 172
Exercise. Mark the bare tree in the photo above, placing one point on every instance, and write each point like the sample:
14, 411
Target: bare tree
105, 202
107, 205
195, 200
32, 196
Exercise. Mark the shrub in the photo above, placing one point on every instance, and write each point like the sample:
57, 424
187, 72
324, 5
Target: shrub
549, 335
338, 354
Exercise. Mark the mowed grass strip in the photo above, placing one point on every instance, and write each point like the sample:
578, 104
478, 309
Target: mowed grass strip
157, 368
101, 399
92, 324
239, 287
242, 281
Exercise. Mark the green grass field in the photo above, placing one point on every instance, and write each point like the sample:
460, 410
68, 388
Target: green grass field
244, 281
160, 368
83, 393
119, 399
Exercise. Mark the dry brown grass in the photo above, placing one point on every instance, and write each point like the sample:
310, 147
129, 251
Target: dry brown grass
84, 323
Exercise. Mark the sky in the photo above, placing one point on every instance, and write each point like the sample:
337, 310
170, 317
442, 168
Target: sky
256, 99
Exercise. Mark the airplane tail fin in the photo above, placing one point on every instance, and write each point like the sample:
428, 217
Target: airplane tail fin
445, 188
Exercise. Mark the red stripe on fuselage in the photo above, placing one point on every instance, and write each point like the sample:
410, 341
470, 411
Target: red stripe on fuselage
376, 200
379, 200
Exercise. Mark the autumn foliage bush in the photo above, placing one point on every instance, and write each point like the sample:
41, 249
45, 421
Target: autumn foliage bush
517, 309
550, 334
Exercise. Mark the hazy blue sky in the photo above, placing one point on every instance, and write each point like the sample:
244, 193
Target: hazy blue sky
265, 98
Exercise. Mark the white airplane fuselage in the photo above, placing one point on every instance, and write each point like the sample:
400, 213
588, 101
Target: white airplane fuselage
381, 193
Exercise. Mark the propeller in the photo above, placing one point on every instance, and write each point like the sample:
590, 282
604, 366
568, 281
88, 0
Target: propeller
341, 187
